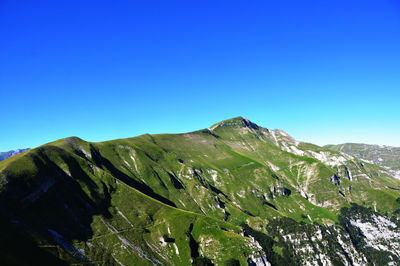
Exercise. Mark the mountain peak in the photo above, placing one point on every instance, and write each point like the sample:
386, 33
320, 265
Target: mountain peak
250, 124
236, 122
96, 200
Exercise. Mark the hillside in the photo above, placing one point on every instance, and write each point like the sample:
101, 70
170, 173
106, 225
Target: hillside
385, 156
233, 193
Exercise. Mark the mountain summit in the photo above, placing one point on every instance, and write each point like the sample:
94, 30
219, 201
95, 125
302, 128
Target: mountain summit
237, 121
235, 193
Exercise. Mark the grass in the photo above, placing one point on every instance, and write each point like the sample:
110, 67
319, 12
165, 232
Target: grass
154, 187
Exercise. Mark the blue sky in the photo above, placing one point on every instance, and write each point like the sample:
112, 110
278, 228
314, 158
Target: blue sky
324, 71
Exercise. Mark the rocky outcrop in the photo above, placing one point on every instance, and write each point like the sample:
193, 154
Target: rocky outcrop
177, 199
335, 180
385, 156
247, 123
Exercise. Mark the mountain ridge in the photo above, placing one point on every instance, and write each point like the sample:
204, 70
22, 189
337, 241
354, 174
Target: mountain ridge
8, 154
118, 201
385, 156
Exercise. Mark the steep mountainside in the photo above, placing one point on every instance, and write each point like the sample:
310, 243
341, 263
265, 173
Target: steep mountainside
386, 156
8, 154
235, 193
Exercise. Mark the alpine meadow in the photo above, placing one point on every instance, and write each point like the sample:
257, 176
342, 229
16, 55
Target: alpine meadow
234, 193
199, 133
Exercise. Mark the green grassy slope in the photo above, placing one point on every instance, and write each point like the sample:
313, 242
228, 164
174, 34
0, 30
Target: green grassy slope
77, 209
177, 198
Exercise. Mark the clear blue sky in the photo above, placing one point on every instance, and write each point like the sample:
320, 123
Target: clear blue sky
324, 71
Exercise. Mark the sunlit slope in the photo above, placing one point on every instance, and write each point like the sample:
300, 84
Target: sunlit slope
385, 156
77, 209
177, 198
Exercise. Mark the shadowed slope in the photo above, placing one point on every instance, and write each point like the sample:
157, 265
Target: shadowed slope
125, 200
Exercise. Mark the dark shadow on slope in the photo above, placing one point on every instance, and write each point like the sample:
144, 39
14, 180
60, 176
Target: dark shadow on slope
207, 185
154, 142
101, 161
199, 177
161, 182
227, 215
232, 262
248, 123
149, 156
53, 205
248, 213
175, 181
270, 205
194, 246
217, 191
18, 248
221, 204
67, 201
194, 250
208, 132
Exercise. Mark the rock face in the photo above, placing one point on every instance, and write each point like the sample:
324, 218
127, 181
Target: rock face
8, 154
246, 122
385, 156
375, 235
235, 193
335, 180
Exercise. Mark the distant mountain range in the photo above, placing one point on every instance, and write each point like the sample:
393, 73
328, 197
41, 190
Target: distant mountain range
8, 154
386, 156
235, 193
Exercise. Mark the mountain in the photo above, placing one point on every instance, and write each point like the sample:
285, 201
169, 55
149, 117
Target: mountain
232, 194
385, 156
8, 154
